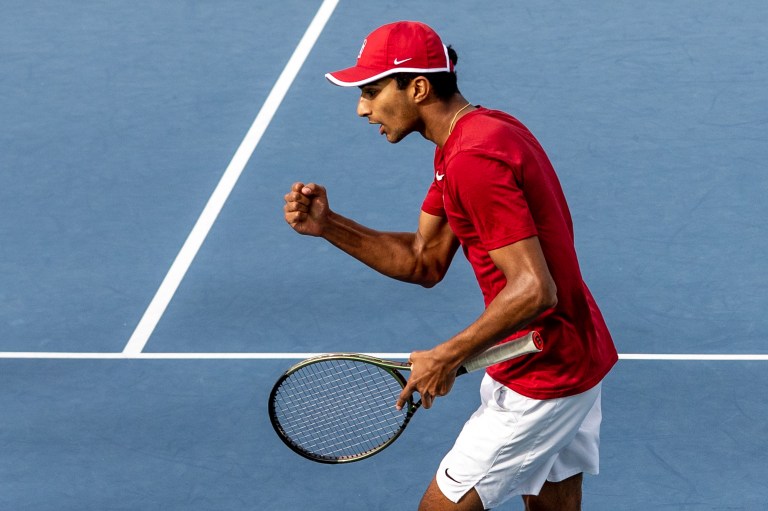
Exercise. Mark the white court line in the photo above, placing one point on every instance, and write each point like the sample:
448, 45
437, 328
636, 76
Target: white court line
300, 356
200, 231
73, 355
688, 357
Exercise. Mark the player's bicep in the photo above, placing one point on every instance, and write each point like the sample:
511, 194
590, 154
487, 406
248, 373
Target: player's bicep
526, 271
435, 245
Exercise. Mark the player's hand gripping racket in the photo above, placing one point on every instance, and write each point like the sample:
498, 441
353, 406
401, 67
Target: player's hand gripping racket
340, 408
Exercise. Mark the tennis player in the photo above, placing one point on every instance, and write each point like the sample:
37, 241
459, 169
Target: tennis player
496, 195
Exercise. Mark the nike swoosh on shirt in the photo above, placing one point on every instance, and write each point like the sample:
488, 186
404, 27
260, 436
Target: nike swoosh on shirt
398, 62
439, 176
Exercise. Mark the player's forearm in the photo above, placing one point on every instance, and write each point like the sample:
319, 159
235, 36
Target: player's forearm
513, 308
528, 292
393, 254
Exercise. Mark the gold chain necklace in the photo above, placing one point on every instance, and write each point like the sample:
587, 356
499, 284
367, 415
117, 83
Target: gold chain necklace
450, 128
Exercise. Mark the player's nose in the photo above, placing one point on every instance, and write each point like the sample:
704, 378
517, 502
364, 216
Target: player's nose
363, 109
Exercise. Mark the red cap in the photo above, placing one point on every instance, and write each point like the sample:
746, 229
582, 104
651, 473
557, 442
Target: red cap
400, 47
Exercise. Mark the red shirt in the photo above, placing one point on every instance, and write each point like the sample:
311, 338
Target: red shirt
496, 186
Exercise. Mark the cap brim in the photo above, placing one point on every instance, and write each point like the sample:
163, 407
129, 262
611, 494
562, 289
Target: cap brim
356, 76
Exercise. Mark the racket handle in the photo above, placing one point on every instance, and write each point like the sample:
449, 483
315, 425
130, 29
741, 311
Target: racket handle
531, 343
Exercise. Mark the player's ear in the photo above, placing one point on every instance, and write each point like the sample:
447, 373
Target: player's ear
420, 89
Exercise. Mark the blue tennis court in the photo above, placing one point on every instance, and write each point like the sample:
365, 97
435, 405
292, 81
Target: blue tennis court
151, 292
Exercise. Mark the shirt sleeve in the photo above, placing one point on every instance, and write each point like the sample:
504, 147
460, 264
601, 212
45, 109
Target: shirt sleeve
433, 202
491, 195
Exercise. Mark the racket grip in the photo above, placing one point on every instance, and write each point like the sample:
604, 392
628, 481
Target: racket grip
530, 343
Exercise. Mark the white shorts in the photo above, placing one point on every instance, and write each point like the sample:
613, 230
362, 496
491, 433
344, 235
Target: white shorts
512, 444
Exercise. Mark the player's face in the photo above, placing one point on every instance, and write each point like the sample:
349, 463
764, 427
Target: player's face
389, 107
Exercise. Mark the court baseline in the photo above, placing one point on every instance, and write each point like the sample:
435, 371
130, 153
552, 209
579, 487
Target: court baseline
301, 356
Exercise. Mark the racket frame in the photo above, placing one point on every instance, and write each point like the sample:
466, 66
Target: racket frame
390, 366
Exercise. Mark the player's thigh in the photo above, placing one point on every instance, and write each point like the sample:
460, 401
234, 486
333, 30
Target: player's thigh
561, 496
434, 500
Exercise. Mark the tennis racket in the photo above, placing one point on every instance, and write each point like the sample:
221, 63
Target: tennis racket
340, 408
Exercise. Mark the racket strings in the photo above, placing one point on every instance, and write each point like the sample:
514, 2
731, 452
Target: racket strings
339, 408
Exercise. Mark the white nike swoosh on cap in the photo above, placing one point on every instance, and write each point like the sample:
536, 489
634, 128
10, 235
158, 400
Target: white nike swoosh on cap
398, 62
